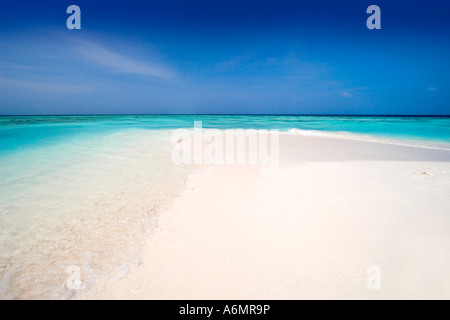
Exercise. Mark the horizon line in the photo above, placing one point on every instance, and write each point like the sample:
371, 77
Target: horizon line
225, 114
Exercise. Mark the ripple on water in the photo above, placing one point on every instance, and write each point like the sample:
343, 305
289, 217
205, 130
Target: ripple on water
87, 205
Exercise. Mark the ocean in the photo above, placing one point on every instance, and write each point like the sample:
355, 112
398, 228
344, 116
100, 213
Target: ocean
83, 191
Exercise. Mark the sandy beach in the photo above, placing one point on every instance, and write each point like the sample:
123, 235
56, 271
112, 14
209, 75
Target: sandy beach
335, 210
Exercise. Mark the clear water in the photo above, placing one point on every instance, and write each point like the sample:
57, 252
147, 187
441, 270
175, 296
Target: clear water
19, 132
86, 198
82, 190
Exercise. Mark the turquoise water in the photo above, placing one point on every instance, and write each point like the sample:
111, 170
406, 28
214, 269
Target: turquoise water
31, 131
78, 194
82, 190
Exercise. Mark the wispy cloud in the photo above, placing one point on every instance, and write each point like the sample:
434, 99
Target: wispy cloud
120, 63
52, 87
431, 89
15, 66
234, 62
350, 92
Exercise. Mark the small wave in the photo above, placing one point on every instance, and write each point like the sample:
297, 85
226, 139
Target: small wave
368, 138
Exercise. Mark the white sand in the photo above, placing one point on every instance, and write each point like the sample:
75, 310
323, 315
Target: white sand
311, 231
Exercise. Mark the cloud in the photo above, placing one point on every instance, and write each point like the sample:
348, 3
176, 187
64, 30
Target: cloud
53, 87
431, 89
346, 94
350, 92
235, 62
17, 67
118, 63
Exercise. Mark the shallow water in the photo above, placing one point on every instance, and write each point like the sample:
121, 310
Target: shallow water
85, 202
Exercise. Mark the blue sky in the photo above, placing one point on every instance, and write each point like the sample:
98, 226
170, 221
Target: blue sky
287, 57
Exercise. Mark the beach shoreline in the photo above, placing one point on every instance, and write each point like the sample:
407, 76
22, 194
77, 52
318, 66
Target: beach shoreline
336, 210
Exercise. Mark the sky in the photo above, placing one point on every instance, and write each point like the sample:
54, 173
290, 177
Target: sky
225, 57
